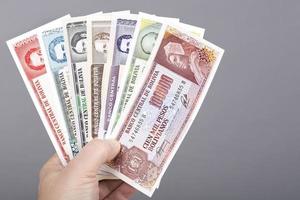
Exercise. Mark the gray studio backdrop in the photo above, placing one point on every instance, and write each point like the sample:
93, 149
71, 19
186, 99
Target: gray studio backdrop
244, 143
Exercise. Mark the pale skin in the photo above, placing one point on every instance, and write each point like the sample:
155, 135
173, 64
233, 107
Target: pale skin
78, 181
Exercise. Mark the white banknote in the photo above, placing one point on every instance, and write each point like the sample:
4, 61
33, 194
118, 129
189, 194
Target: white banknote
26, 51
52, 46
122, 30
76, 50
98, 37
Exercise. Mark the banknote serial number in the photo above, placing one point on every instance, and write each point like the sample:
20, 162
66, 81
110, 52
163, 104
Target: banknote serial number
177, 94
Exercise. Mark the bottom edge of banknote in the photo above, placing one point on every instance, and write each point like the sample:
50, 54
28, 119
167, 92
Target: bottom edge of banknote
148, 192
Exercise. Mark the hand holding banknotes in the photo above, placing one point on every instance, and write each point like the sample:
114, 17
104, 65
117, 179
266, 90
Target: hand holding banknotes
137, 78
78, 179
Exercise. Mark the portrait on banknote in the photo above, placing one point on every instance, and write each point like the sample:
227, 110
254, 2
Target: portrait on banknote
57, 50
146, 40
180, 57
101, 43
34, 59
77, 40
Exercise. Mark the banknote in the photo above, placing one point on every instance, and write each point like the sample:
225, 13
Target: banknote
178, 74
76, 51
148, 28
75, 33
26, 51
52, 46
98, 34
121, 35
144, 38
98, 40
195, 31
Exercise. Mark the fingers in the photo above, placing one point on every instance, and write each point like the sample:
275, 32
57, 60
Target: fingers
124, 191
52, 165
108, 186
93, 155
54, 161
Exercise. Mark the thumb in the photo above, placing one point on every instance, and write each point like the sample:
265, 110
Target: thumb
93, 155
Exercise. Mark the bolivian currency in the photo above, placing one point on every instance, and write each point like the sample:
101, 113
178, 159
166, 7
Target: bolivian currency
98, 35
99, 40
121, 35
146, 32
76, 50
52, 45
148, 28
179, 72
195, 31
26, 51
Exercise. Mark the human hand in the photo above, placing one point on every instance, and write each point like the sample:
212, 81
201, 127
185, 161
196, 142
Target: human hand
78, 181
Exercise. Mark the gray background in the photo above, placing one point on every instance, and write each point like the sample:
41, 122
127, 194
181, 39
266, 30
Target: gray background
245, 142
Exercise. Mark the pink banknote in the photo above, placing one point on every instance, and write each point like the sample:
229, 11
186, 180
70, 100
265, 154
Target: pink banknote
179, 74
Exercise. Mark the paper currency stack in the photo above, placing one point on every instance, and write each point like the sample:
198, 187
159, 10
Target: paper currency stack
136, 78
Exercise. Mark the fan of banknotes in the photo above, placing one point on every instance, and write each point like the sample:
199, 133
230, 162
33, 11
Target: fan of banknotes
136, 78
